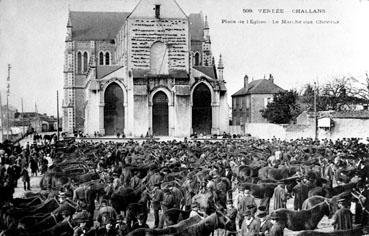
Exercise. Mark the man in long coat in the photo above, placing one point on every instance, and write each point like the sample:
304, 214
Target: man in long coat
280, 197
300, 191
25, 179
342, 219
156, 200
166, 204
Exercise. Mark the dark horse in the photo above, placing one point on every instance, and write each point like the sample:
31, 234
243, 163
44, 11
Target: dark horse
266, 173
315, 200
263, 191
350, 232
200, 228
329, 192
305, 219
121, 198
207, 226
174, 229
173, 216
64, 227
48, 222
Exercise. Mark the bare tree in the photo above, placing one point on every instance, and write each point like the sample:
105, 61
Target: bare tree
361, 89
337, 94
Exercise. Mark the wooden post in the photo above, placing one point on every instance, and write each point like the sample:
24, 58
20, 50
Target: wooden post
57, 113
2, 117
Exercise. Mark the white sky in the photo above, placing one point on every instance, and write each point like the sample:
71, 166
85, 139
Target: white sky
32, 34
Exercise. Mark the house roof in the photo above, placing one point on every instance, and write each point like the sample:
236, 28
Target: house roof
106, 25
207, 70
103, 71
260, 86
96, 25
364, 114
196, 26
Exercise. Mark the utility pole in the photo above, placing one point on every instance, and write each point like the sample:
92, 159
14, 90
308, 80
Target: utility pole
57, 113
2, 118
7, 102
315, 113
22, 117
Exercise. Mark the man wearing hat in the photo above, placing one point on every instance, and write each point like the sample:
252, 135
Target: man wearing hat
195, 210
342, 219
245, 201
135, 181
140, 222
278, 225
157, 197
265, 222
106, 213
361, 196
300, 191
250, 225
232, 214
108, 229
166, 204
121, 226
81, 218
155, 178
188, 187
25, 178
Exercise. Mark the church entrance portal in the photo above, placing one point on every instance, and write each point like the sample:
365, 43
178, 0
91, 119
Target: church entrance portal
160, 114
201, 110
113, 110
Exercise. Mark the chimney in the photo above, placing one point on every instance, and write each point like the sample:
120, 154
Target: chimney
246, 82
271, 78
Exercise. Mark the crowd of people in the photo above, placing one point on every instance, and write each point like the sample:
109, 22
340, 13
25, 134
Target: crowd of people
169, 175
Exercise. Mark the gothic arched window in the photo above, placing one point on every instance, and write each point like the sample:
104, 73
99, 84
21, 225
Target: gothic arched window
107, 58
101, 58
85, 61
197, 59
79, 62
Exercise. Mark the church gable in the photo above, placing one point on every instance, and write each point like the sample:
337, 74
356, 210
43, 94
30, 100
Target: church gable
158, 9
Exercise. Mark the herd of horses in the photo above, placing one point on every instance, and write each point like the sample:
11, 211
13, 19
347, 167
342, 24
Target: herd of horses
74, 171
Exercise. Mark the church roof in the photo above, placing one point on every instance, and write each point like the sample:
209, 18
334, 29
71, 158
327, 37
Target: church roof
207, 70
96, 25
105, 25
103, 71
196, 26
260, 86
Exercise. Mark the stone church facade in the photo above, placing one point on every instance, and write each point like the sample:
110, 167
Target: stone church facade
147, 71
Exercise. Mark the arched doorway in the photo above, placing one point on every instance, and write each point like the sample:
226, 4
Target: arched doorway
201, 110
113, 110
160, 114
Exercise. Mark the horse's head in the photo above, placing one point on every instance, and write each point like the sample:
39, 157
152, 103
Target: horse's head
223, 220
205, 201
329, 208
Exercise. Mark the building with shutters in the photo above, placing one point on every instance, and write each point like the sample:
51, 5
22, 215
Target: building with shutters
249, 102
146, 71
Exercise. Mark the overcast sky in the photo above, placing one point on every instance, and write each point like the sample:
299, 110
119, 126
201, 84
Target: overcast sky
32, 34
